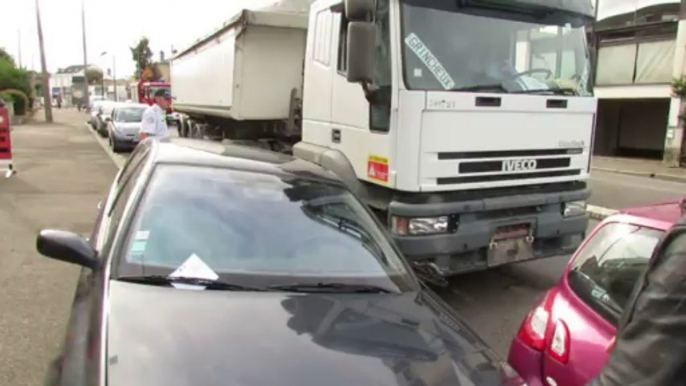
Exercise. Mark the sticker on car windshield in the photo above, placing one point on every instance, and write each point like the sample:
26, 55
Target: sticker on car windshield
430, 61
194, 268
142, 235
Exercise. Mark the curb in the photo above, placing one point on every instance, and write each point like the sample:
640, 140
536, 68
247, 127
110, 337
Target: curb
599, 213
658, 176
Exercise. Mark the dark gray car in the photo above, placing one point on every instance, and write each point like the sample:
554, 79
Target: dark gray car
213, 265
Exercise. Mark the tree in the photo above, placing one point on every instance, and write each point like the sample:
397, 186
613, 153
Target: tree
142, 55
5, 56
16, 79
94, 76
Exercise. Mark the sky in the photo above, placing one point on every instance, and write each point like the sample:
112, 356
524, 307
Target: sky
112, 26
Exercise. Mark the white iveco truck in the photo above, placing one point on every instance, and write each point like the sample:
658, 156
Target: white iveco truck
466, 125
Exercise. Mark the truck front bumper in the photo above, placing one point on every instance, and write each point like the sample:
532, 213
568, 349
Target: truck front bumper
476, 242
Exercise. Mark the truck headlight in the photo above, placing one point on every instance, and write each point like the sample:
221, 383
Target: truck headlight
574, 208
404, 226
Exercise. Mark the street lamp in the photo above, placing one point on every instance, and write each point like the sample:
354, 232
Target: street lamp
114, 77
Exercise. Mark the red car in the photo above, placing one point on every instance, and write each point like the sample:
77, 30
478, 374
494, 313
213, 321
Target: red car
564, 339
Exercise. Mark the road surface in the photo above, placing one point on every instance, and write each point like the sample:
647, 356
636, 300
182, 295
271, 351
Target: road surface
619, 191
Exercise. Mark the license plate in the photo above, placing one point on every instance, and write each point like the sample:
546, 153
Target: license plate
511, 244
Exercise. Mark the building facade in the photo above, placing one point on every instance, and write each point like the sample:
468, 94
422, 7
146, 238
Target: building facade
637, 55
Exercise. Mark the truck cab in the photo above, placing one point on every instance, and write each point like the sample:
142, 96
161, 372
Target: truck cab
466, 125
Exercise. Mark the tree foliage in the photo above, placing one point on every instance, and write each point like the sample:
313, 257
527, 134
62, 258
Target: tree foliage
5, 56
13, 78
142, 56
94, 76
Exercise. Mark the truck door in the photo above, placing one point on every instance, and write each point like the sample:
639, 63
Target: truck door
362, 132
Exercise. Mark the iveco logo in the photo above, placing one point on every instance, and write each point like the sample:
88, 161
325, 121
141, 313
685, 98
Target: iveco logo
519, 165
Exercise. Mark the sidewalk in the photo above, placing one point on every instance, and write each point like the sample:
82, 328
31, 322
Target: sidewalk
62, 174
638, 167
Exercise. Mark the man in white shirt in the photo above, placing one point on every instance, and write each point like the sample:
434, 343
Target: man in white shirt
154, 122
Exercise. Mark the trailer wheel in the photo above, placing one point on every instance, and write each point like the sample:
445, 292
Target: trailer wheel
183, 128
198, 131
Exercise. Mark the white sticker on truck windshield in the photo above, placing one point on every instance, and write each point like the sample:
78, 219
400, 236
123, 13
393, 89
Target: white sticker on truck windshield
431, 62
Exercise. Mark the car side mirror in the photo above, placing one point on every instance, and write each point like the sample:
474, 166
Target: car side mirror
361, 47
68, 247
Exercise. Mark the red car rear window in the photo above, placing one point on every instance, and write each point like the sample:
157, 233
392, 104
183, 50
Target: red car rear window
605, 272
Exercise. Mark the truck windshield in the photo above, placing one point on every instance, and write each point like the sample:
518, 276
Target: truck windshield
494, 46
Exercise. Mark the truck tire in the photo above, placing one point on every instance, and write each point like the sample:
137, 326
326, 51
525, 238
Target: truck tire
198, 131
183, 128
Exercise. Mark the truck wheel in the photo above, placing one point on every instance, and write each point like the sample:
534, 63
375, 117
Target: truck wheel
198, 131
183, 128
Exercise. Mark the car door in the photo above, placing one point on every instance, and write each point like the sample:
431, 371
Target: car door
599, 284
82, 356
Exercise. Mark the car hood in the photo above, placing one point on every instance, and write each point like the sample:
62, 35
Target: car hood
164, 336
129, 128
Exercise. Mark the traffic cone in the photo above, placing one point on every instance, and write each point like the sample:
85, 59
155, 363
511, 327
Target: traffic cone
5, 143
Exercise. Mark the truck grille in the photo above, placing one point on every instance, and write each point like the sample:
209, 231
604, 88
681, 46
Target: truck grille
508, 153
507, 177
497, 166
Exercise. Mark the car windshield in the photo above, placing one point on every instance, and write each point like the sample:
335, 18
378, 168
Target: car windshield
154, 89
130, 115
495, 46
605, 271
258, 230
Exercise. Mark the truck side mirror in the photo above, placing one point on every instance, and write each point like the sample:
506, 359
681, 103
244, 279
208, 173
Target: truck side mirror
361, 47
359, 10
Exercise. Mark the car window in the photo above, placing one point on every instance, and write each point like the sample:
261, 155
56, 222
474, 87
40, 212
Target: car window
121, 199
248, 224
605, 272
129, 115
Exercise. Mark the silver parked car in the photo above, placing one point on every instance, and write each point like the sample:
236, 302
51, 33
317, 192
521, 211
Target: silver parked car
124, 125
104, 113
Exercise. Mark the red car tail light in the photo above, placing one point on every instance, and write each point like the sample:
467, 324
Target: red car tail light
535, 327
558, 348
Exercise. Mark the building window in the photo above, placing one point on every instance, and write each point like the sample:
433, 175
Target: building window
654, 62
648, 62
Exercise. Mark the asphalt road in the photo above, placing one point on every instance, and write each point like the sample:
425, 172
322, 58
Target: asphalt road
63, 173
619, 191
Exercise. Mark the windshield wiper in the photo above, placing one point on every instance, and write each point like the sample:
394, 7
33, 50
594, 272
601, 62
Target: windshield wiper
554, 91
208, 284
483, 87
329, 288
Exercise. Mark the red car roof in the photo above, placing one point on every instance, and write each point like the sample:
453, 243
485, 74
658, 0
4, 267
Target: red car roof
667, 211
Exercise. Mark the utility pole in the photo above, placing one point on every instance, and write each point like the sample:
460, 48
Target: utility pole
114, 77
19, 45
85, 54
44, 67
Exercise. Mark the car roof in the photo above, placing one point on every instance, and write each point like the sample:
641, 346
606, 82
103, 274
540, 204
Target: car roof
661, 214
133, 105
196, 152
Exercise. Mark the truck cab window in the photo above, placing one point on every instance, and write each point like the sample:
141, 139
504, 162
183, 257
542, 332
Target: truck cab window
380, 114
343, 46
